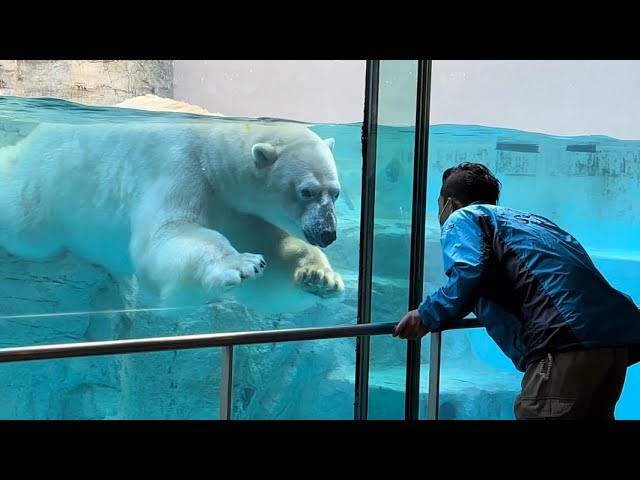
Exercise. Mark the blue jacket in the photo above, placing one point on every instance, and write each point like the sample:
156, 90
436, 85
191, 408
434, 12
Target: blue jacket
530, 284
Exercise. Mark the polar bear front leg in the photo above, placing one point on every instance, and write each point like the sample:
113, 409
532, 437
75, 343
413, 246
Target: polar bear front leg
183, 255
311, 268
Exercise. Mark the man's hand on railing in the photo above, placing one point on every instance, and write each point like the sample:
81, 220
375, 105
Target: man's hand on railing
410, 327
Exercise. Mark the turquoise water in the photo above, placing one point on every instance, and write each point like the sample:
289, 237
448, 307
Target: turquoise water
589, 185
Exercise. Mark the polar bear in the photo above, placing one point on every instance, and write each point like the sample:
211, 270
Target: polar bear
184, 205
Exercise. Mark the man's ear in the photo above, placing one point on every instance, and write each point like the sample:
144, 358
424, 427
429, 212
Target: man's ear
456, 204
264, 154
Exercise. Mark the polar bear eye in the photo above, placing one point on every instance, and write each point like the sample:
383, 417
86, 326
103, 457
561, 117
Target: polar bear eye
305, 193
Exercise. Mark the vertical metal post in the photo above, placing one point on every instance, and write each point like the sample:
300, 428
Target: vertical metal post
367, 216
226, 382
433, 404
418, 219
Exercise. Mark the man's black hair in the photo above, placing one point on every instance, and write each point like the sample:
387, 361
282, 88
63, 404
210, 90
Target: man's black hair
470, 182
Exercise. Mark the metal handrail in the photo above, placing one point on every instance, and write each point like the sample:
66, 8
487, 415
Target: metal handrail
225, 340
182, 342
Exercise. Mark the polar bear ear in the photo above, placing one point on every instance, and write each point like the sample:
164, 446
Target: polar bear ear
330, 143
264, 154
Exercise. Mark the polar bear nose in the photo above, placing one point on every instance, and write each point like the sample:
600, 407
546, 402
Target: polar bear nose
327, 237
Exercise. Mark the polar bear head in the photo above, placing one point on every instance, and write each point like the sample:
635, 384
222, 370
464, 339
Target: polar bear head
299, 183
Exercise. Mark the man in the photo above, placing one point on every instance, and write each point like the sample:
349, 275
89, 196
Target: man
539, 296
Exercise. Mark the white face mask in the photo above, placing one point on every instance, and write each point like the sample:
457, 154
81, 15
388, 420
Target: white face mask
444, 207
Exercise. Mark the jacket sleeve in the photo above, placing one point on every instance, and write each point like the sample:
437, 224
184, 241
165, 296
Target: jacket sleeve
464, 253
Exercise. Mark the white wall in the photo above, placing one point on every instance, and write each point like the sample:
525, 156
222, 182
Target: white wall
560, 97
329, 91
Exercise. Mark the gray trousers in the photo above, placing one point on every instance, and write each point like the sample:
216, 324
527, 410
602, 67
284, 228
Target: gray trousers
579, 385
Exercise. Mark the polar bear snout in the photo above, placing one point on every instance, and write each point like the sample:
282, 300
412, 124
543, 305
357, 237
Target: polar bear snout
327, 237
320, 226
322, 239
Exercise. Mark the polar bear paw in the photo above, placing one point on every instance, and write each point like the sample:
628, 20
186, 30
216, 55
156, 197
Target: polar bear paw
319, 280
233, 270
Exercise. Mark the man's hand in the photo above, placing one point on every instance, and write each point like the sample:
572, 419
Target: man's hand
410, 327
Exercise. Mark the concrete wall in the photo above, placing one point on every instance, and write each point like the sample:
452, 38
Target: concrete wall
94, 82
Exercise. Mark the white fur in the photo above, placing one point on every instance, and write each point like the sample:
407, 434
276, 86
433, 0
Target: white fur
163, 200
